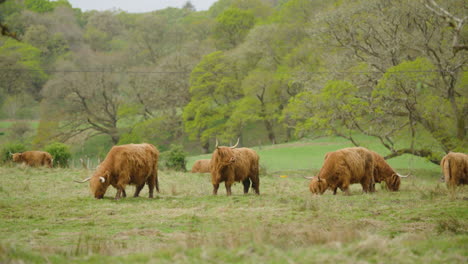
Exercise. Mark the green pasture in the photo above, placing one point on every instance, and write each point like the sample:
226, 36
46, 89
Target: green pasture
45, 217
307, 155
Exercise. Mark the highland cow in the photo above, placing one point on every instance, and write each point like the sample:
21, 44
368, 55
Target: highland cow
202, 166
230, 165
134, 164
455, 168
33, 158
344, 167
383, 172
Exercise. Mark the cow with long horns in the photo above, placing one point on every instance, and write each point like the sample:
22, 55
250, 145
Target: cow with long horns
231, 164
455, 168
344, 167
135, 164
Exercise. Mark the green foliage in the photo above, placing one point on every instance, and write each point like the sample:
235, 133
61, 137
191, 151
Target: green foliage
11, 148
60, 153
40, 6
232, 27
175, 158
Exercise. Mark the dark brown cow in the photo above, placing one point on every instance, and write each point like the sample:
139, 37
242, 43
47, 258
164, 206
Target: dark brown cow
34, 158
383, 172
344, 167
455, 168
230, 165
126, 164
202, 166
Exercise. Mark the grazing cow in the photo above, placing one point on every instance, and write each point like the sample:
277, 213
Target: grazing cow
34, 158
230, 165
455, 168
344, 167
383, 172
202, 166
126, 164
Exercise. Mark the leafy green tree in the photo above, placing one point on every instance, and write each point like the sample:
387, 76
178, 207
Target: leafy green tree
24, 74
232, 26
213, 94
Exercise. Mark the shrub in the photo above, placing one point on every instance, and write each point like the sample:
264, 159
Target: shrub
60, 153
11, 148
176, 158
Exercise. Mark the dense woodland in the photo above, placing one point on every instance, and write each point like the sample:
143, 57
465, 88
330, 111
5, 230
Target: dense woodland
267, 71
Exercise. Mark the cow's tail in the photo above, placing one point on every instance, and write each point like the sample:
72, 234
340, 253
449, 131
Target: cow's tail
447, 170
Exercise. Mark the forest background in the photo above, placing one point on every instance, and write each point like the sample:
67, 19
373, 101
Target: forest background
267, 71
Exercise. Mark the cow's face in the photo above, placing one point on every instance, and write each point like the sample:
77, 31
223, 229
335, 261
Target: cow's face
318, 186
17, 157
226, 156
99, 183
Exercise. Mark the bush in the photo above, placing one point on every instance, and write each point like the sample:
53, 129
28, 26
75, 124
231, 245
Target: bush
11, 148
176, 158
60, 153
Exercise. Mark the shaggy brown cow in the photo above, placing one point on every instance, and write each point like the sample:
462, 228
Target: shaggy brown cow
126, 164
383, 172
34, 158
202, 166
455, 168
230, 165
344, 167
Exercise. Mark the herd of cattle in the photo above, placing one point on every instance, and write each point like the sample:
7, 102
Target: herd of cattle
137, 164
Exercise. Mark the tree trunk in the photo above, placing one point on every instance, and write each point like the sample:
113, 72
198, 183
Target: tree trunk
206, 148
271, 132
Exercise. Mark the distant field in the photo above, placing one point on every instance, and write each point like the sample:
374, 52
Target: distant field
308, 155
47, 218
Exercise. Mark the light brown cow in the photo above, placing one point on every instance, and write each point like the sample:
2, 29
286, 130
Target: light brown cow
455, 168
383, 172
126, 164
33, 158
230, 165
344, 167
202, 166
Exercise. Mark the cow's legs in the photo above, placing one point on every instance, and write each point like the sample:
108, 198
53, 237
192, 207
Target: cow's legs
138, 189
246, 184
228, 188
124, 194
334, 190
151, 182
215, 188
256, 184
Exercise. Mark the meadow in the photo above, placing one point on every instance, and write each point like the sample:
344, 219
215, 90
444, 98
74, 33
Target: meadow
47, 218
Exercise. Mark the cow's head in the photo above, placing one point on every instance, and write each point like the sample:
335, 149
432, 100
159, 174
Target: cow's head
225, 156
318, 185
393, 182
98, 183
17, 157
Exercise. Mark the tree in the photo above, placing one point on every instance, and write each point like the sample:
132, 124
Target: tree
411, 87
232, 26
213, 95
88, 101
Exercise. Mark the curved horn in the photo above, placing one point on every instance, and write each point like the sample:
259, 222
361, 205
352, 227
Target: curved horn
102, 179
85, 180
216, 144
401, 176
309, 178
11, 154
236, 143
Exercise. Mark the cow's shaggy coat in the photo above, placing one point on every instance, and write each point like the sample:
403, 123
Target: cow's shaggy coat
201, 166
134, 164
344, 167
383, 172
455, 168
231, 165
34, 158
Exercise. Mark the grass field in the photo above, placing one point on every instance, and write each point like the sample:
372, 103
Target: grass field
47, 218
